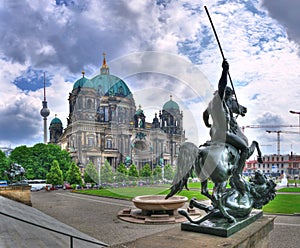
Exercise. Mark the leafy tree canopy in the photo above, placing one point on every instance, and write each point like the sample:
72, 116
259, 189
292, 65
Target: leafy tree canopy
121, 173
157, 173
91, 173
55, 176
169, 172
4, 165
74, 175
106, 174
37, 160
133, 172
146, 171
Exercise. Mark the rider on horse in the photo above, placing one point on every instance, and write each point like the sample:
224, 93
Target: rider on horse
224, 128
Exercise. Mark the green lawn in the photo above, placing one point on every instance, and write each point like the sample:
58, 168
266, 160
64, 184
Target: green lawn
283, 204
289, 190
125, 193
131, 192
197, 185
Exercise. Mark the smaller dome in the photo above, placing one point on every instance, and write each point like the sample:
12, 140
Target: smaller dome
171, 105
83, 82
88, 84
56, 121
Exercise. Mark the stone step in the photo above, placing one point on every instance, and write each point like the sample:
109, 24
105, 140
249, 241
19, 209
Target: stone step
15, 233
160, 216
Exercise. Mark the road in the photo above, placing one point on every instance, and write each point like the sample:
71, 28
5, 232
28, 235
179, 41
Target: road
286, 232
97, 217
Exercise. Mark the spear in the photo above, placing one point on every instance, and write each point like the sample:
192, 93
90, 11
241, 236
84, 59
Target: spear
212, 25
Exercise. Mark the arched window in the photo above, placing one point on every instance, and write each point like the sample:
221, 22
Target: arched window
89, 104
90, 141
109, 143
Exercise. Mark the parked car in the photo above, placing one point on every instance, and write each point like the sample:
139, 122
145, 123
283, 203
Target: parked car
50, 187
36, 188
67, 186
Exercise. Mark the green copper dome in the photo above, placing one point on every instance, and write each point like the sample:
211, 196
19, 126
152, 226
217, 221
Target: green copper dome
83, 82
56, 121
170, 105
104, 83
110, 85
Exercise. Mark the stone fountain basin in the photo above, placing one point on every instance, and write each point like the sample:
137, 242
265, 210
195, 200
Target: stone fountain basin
158, 202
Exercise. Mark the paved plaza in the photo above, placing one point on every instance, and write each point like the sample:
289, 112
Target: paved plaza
96, 218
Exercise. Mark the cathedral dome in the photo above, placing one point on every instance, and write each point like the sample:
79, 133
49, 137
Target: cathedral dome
56, 121
83, 82
110, 85
171, 105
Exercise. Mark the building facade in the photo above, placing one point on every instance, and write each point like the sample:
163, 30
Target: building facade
105, 124
276, 165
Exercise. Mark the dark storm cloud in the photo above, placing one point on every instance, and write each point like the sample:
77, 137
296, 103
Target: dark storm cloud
71, 35
19, 121
287, 13
269, 119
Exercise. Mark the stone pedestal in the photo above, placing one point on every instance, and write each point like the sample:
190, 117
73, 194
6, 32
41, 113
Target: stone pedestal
17, 193
220, 226
255, 235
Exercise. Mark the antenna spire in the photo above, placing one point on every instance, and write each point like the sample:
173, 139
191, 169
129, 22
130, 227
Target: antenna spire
44, 86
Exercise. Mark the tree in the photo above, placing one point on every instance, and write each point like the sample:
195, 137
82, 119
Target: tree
157, 173
37, 160
168, 172
55, 176
4, 165
146, 171
121, 173
107, 175
91, 173
133, 172
74, 175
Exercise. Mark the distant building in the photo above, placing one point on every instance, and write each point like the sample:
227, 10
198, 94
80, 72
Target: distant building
7, 150
275, 165
104, 124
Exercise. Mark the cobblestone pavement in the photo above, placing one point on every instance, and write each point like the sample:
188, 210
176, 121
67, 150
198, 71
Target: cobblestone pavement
92, 215
97, 217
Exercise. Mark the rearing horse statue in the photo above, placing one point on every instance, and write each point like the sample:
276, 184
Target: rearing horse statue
224, 156
215, 161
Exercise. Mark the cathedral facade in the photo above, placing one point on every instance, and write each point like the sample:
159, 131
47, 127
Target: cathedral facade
105, 124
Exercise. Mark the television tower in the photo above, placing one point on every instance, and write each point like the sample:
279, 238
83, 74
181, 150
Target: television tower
45, 111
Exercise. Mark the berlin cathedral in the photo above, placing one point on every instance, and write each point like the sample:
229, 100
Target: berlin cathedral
105, 124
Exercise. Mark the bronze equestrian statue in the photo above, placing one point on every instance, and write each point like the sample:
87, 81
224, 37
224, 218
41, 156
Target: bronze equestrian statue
221, 159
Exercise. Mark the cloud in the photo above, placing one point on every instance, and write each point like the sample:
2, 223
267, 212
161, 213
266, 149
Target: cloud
147, 44
287, 13
18, 121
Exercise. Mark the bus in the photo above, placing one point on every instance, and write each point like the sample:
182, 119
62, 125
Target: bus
3, 183
37, 184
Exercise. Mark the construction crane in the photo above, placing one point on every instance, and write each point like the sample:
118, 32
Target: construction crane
278, 137
267, 126
273, 126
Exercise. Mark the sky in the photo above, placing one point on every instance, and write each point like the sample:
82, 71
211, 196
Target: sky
159, 48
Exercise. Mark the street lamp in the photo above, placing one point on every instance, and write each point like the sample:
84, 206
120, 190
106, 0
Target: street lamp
99, 171
297, 113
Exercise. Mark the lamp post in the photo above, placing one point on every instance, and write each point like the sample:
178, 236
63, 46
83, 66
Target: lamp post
297, 113
99, 171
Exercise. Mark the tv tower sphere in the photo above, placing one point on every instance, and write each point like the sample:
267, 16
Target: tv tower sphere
45, 111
